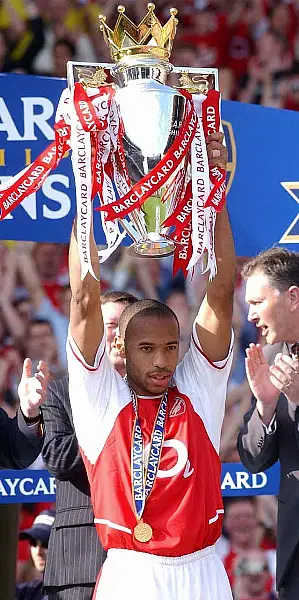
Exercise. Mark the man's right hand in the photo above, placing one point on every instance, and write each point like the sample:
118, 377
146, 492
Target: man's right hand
259, 379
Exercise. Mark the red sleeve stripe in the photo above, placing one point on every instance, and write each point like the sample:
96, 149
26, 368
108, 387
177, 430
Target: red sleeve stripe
207, 358
87, 367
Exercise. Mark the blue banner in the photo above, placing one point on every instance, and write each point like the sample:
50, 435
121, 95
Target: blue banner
263, 179
39, 486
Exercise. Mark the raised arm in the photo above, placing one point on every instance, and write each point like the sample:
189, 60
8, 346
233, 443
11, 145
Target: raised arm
86, 321
214, 319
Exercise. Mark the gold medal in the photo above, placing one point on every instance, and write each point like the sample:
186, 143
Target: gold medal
143, 532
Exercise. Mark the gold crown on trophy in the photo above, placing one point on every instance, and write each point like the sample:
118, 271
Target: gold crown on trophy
148, 38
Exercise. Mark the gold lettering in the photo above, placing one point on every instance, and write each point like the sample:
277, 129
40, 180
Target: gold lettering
2, 157
28, 160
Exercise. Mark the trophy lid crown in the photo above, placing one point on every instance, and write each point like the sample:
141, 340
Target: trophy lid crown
149, 38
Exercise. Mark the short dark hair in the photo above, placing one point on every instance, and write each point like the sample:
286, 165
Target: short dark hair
118, 296
145, 308
279, 264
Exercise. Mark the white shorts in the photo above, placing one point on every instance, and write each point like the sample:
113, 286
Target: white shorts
129, 575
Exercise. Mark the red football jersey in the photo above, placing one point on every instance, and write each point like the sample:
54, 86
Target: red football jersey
185, 507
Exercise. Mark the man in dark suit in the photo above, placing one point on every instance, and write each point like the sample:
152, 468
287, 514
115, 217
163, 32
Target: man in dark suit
75, 554
21, 438
271, 427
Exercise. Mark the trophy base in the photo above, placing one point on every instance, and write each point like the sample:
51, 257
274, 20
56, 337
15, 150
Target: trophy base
153, 246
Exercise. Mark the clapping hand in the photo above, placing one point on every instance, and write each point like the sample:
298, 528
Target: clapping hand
259, 375
284, 375
261, 382
32, 388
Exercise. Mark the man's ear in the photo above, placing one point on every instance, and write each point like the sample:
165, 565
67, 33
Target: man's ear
120, 346
293, 293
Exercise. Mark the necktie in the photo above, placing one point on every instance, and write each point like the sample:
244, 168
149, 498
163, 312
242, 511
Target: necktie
295, 351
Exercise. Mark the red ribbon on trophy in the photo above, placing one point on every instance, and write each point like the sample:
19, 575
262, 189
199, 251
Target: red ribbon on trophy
31, 179
212, 123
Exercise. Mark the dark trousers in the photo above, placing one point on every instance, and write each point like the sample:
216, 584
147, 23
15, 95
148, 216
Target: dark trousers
290, 586
71, 592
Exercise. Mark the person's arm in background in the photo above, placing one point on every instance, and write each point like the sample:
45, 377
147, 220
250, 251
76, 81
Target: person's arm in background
9, 314
21, 438
61, 453
28, 273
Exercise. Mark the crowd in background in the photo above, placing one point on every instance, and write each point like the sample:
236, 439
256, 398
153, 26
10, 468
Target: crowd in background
255, 45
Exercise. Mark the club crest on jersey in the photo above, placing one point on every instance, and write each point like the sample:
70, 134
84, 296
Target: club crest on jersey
178, 408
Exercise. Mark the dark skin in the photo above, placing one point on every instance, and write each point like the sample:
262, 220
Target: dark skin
152, 350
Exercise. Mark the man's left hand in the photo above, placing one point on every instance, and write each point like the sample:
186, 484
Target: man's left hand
285, 376
217, 152
32, 388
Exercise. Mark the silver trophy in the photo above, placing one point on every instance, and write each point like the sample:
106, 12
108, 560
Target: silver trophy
152, 113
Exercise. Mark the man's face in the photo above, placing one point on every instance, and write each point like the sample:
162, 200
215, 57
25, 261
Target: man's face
41, 344
241, 523
39, 555
268, 308
111, 314
151, 347
47, 259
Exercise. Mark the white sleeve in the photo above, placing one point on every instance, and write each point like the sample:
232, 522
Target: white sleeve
97, 394
206, 385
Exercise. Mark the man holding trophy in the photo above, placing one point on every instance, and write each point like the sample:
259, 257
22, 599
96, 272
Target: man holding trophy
150, 441
154, 157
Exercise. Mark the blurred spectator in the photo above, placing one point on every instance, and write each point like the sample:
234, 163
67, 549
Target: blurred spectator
267, 70
63, 51
51, 267
32, 274
208, 33
22, 28
283, 21
251, 573
177, 301
40, 344
245, 533
61, 19
38, 537
291, 95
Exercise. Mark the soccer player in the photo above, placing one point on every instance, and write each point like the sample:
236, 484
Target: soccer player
150, 443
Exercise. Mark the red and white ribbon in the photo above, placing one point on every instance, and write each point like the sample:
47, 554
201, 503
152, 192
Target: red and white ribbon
200, 187
82, 168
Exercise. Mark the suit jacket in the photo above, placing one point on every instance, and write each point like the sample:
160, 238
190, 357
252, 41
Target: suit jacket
20, 445
259, 450
75, 554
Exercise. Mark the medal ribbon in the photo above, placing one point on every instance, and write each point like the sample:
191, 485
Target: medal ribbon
144, 476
